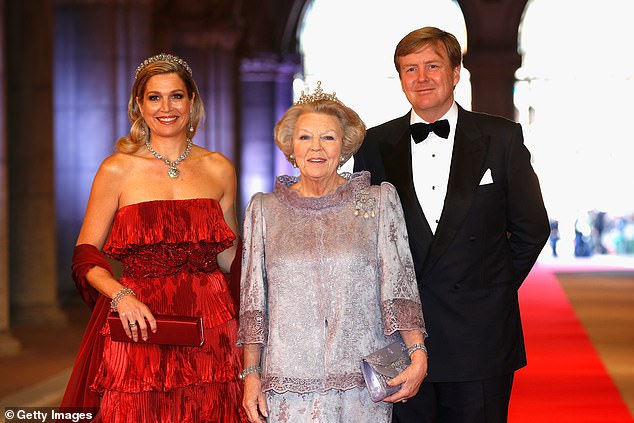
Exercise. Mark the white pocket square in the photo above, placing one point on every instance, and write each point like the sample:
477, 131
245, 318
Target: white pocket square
486, 178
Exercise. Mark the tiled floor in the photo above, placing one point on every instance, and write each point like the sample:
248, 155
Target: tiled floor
38, 374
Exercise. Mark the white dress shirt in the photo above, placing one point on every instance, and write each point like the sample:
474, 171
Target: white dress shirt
431, 161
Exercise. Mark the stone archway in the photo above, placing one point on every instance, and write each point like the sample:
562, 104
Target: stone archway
492, 28
357, 62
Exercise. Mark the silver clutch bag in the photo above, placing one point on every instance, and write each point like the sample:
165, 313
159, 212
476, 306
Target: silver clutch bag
381, 366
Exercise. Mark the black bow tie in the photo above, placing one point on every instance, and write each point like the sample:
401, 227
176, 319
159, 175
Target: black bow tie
421, 130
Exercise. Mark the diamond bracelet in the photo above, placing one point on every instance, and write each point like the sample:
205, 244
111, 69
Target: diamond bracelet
415, 347
118, 296
247, 371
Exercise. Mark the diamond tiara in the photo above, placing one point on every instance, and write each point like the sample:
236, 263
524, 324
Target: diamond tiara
319, 94
163, 57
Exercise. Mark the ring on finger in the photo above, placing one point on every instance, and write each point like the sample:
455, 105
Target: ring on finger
404, 401
132, 324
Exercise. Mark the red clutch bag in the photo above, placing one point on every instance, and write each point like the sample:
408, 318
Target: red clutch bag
170, 330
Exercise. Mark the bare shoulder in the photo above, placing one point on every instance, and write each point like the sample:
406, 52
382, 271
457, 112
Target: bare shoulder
217, 163
116, 166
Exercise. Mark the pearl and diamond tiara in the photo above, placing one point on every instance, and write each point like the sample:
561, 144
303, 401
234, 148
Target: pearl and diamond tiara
163, 57
317, 95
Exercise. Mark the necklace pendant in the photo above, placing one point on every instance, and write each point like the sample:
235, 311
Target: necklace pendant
173, 172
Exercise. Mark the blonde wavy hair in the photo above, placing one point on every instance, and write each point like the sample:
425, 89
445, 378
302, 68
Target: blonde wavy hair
351, 124
135, 140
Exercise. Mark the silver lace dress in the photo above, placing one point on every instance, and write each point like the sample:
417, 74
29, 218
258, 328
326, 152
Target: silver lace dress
325, 281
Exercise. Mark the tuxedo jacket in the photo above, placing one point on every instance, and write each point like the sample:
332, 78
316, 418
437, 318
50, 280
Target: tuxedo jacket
488, 237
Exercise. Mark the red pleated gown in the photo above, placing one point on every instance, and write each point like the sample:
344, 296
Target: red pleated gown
168, 249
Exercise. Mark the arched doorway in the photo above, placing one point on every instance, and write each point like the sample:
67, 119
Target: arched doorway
349, 46
575, 99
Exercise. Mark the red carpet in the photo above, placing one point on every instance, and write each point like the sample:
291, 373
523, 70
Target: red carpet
565, 380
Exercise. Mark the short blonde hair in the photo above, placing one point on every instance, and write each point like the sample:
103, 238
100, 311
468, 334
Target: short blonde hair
136, 139
352, 126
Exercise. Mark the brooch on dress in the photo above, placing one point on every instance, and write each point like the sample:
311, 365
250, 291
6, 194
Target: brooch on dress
364, 204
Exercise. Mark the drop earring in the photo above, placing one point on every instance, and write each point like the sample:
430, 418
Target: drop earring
143, 132
291, 158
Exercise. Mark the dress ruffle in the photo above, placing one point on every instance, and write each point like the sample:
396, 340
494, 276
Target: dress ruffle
150, 407
168, 249
168, 221
136, 368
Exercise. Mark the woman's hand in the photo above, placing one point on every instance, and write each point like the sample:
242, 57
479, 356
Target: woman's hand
135, 317
253, 400
410, 378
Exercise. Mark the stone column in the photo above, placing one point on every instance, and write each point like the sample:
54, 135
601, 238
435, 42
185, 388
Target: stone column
492, 56
266, 93
211, 54
98, 45
32, 236
212, 57
8, 344
208, 35
493, 80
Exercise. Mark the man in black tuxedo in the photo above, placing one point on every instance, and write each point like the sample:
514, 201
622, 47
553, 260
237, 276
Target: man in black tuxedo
476, 223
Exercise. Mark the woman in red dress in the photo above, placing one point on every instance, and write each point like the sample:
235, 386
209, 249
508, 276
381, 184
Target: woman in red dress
165, 208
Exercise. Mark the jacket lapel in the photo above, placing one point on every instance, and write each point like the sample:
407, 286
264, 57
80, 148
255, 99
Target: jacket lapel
397, 162
467, 166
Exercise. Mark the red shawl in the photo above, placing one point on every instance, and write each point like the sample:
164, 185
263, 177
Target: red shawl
78, 393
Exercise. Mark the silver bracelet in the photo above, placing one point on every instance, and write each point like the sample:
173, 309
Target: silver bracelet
251, 369
118, 296
415, 347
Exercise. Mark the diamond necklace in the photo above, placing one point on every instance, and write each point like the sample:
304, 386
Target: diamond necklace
173, 172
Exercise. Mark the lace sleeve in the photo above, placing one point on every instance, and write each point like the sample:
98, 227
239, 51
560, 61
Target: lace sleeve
400, 301
253, 317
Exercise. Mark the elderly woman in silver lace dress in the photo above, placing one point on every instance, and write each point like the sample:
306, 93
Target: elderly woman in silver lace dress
327, 278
